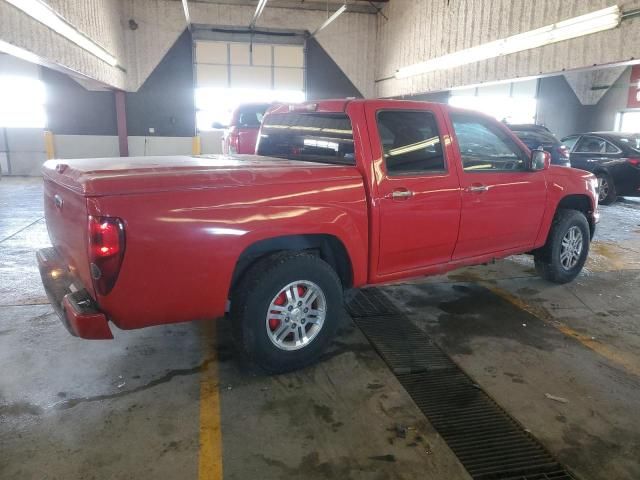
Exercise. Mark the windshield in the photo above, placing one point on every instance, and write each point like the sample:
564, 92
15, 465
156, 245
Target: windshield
313, 137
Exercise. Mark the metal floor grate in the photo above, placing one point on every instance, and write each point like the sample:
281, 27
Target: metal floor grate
488, 442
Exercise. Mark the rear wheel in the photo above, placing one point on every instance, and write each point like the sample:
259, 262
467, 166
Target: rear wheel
285, 310
606, 189
567, 247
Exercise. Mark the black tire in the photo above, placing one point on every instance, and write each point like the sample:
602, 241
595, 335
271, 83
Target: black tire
606, 190
548, 259
252, 298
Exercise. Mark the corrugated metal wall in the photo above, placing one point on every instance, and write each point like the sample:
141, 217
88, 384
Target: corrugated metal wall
98, 19
417, 30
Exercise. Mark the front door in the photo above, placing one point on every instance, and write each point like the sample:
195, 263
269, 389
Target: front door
418, 190
502, 203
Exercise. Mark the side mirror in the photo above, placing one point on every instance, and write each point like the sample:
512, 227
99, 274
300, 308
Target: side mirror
540, 160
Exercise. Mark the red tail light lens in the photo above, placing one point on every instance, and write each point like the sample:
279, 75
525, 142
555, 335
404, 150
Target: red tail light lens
106, 251
234, 139
634, 161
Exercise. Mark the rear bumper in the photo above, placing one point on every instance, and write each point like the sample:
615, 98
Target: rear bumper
73, 304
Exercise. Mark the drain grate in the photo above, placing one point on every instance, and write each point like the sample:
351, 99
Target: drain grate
488, 442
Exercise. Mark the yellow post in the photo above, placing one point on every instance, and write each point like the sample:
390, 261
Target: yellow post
48, 145
196, 148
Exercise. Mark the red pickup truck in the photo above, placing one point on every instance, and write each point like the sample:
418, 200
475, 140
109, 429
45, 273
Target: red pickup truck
343, 193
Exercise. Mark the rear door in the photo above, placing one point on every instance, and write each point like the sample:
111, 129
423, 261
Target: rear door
592, 151
417, 187
502, 203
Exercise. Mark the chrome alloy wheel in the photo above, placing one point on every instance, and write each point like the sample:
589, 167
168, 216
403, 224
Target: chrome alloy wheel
571, 248
603, 188
296, 315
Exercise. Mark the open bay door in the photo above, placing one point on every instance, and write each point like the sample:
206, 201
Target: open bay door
230, 73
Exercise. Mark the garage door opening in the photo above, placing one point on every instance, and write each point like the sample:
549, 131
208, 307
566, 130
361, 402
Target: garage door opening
232, 73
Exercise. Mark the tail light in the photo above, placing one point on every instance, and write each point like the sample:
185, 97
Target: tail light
106, 251
563, 151
234, 139
634, 161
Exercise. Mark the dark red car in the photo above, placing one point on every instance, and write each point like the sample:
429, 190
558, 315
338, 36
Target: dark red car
346, 193
241, 134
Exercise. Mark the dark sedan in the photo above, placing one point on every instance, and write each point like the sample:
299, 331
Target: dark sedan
538, 136
613, 157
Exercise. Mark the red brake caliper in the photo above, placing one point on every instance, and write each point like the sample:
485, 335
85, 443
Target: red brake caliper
281, 300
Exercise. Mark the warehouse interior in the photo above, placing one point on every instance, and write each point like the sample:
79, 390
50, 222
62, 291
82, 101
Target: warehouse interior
557, 366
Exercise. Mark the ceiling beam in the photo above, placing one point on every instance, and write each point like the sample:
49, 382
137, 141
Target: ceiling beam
314, 5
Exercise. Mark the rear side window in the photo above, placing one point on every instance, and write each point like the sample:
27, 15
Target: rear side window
484, 146
251, 116
314, 137
410, 142
588, 144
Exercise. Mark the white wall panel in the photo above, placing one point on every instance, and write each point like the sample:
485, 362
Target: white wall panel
211, 142
417, 30
86, 146
144, 146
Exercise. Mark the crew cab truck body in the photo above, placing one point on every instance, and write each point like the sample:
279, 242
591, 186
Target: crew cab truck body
345, 193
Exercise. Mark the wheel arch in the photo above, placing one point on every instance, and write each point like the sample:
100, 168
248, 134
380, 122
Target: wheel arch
581, 203
328, 247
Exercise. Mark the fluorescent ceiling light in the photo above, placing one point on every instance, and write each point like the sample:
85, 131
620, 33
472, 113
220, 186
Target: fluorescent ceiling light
593, 22
335, 15
258, 12
45, 15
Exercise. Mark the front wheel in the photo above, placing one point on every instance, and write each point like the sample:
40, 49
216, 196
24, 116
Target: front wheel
606, 189
286, 310
567, 248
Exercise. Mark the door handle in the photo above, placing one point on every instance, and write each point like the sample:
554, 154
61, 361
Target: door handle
400, 194
476, 188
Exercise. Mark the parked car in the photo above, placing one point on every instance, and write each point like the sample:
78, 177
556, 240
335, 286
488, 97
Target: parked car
538, 136
345, 193
613, 157
241, 134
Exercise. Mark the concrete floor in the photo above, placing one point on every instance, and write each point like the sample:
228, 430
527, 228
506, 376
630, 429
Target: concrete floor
149, 404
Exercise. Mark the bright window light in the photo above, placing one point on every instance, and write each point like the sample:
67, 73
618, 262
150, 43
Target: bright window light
216, 105
593, 22
630, 122
22, 102
44, 14
509, 109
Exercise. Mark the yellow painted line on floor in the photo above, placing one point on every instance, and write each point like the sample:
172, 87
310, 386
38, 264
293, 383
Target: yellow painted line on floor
607, 257
210, 455
610, 353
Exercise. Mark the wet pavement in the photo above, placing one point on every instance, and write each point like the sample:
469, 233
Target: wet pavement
134, 407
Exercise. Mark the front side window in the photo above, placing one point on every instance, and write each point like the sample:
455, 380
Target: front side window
313, 137
410, 142
484, 146
569, 142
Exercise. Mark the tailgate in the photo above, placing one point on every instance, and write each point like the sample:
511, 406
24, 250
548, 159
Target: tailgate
66, 215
